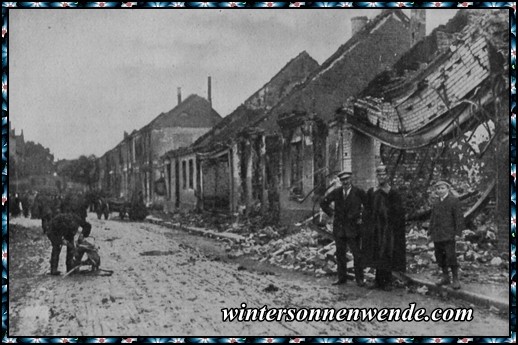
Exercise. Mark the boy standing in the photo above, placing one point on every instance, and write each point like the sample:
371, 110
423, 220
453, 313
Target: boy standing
446, 222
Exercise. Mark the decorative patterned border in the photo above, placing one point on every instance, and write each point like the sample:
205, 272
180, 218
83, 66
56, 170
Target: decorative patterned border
512, 48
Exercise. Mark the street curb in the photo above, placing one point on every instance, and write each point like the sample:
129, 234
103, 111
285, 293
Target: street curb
210, 233
202, 231
469, 296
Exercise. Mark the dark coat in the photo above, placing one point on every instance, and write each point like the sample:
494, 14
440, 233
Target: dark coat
347, 211
446, 220
384, 243
63, 226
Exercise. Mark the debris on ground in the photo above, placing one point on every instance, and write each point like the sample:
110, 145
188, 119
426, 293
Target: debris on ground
423, 290
303, 248
271, 288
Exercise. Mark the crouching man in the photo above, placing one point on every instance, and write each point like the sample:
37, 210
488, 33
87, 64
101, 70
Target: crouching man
63, 227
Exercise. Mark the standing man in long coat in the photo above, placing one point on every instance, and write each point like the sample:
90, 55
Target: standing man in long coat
347, 225
385, 241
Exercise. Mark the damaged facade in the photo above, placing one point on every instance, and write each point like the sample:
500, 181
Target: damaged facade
438, 114
388, 95
229, 159
313, 146
269, 157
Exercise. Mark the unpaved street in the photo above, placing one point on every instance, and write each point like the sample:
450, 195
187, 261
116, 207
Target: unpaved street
171, 283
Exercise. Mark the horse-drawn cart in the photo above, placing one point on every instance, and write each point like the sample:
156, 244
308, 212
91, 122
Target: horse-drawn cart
121, 206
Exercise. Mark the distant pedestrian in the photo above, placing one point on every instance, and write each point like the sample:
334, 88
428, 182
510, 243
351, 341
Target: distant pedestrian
446, 223
26, 205
31, 198
138, 210
15, 205
384, 243
347, 225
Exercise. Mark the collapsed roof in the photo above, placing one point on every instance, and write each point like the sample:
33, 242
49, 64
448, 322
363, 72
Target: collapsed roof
442, 85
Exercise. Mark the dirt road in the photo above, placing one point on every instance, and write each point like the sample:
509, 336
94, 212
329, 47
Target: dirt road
170, 283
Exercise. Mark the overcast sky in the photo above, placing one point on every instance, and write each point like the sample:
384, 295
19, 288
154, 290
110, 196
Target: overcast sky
79, 78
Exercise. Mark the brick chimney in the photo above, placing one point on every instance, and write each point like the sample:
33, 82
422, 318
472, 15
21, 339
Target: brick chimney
357, 23
417, 25
209, 92
179, 91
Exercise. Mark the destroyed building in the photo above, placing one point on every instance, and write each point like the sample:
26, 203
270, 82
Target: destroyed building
440, 113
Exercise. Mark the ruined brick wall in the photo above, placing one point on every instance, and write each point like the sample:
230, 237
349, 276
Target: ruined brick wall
457, 160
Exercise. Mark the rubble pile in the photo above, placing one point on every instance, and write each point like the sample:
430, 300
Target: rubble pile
307, 250
304, 250
214, 221
477, 255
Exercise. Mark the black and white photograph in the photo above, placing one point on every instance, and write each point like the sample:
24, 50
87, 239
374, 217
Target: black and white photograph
304, 173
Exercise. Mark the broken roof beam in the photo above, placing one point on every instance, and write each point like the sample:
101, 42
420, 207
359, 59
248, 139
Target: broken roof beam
413, 109
443, 128
432, 95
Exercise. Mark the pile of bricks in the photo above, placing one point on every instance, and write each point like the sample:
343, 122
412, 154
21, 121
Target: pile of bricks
303, 251
474, 249
307, 250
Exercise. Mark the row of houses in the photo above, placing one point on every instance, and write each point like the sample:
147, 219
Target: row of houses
389, 85
135, 164
32, 167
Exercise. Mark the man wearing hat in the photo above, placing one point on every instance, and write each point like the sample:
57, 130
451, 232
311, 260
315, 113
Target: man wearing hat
347, 223
446, 222
384, 243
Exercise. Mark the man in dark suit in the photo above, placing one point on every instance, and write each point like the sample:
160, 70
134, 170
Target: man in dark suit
347, 224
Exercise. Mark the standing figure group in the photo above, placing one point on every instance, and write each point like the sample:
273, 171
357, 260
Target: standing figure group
372, 225
21, 204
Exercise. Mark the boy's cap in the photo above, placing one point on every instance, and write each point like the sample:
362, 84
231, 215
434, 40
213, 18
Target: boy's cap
442, 182
381, 169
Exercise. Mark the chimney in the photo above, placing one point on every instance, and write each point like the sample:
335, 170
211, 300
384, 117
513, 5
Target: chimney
209, 92
417, 25
179, 91
357, 23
